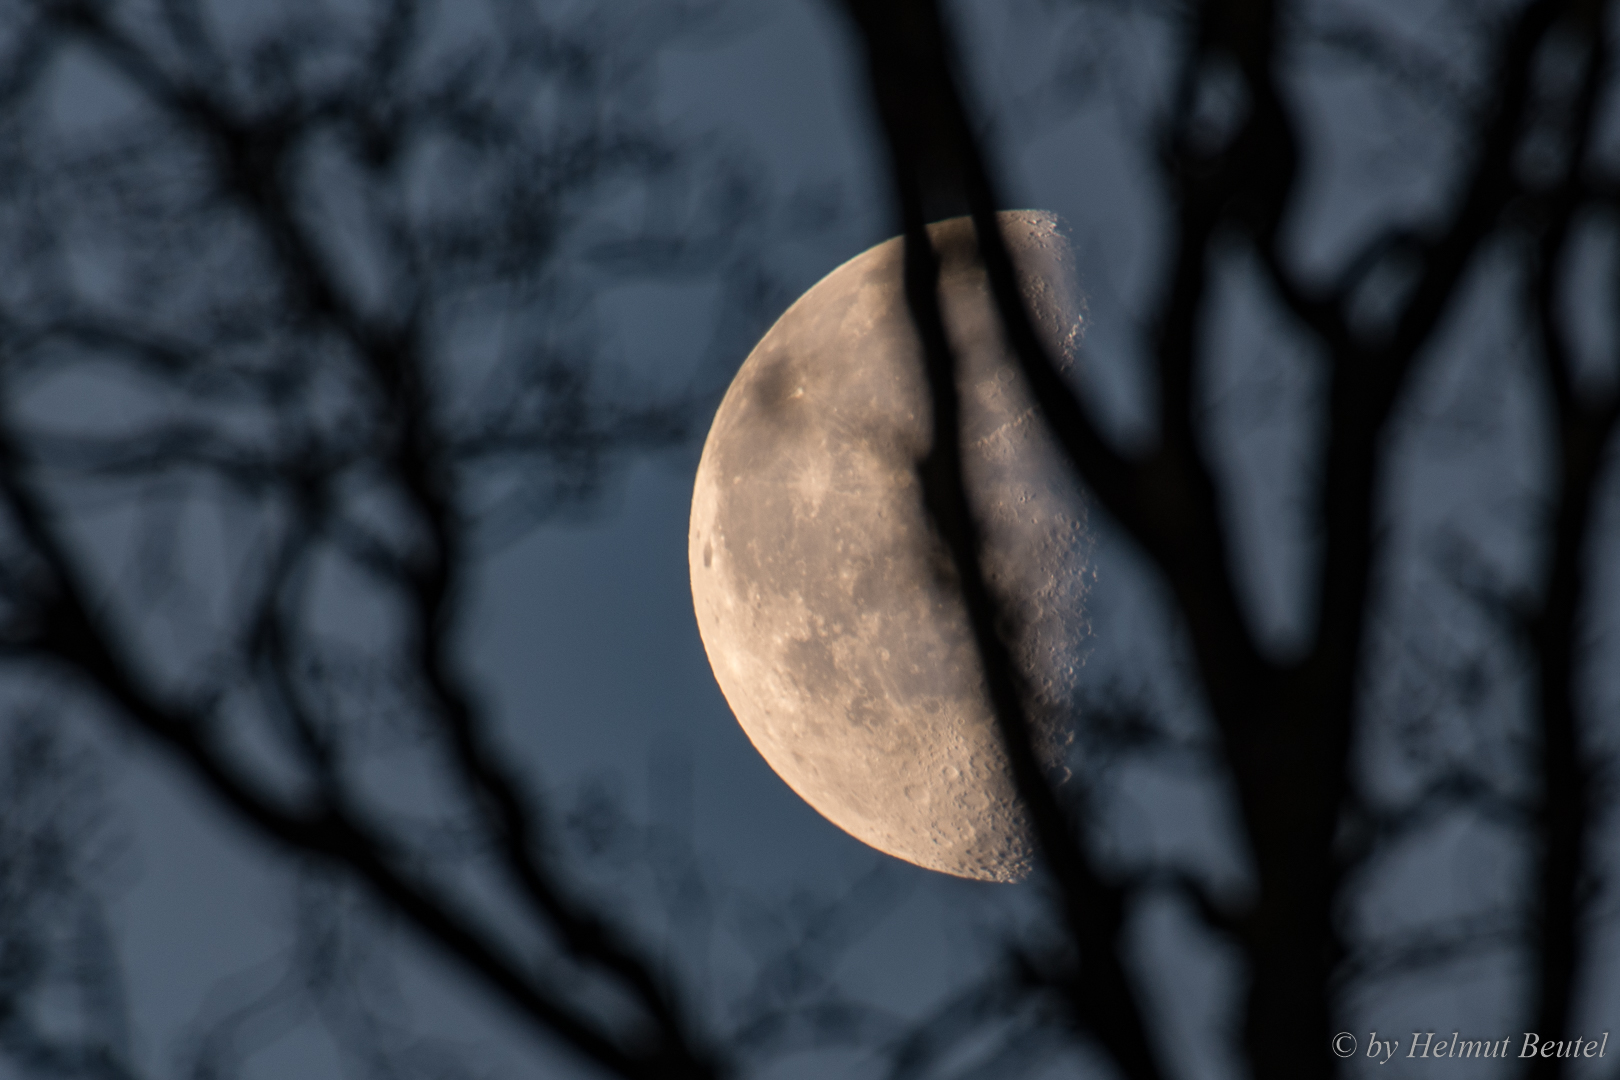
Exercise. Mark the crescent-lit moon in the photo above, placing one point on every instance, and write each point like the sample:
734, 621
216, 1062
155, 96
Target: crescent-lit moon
828, 607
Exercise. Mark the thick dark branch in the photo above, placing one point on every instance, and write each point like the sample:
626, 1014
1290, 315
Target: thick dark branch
1369, 373
914, 83
1167, 498
1584, 429
907, 56
254, 159
66, 631
1094, 906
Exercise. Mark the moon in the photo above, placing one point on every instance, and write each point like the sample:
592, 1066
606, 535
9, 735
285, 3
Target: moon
828, 607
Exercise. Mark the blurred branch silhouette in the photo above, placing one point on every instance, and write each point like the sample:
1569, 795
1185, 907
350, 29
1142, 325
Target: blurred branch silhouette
298, 319
54, 937
326, 275
1232, 146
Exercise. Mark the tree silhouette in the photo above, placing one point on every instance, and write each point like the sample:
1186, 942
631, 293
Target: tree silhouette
1295, 728
325, 276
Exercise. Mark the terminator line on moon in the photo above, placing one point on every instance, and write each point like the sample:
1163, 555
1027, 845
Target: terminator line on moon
825, 602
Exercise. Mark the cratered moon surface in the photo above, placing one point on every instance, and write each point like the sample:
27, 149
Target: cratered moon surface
827, 605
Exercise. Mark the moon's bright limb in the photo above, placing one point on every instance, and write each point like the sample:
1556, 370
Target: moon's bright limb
828, 608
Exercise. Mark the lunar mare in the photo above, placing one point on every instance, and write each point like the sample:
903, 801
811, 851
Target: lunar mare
828, 607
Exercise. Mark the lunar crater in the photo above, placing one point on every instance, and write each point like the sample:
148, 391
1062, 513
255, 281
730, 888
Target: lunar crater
829, 608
